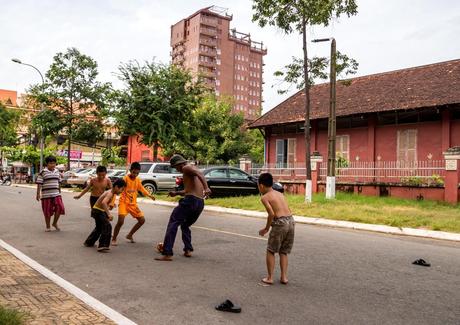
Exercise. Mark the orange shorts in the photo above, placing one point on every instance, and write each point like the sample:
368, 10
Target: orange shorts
124, 209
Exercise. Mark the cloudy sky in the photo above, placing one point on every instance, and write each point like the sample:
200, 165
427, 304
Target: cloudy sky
385, 35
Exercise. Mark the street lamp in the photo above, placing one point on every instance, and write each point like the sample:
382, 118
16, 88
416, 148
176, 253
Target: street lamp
15, 60
331, 130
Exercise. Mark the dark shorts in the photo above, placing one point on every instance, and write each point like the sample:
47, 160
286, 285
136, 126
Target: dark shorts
93, 200
52, 205
281, 238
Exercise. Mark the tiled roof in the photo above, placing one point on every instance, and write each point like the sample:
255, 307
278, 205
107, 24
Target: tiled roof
425, 86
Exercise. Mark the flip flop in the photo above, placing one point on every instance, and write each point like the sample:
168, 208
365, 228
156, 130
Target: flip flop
421, 262
228, 306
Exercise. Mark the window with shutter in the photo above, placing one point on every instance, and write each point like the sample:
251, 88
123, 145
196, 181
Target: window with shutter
407, 146
342, 146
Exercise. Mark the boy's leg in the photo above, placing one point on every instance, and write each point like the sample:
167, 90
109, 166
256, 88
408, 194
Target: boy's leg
47, 213
96, 233
58, 210
48, 223
140, 222
120, 221
283, 267
57, 214
175, 220
270, 260
106, 231
190, 219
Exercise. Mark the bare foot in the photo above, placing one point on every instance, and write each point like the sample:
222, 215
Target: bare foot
267, 281
284, 281
103, 249
114, 242
187, 253
47, 229
165, 258
56, 227
130, 239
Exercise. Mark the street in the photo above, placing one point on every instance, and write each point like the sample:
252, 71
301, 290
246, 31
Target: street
335, 276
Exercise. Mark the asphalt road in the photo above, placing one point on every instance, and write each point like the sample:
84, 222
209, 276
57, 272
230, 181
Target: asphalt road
336, 276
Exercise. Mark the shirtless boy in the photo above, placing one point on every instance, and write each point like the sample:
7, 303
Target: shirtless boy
281, 238
102, 216
97, 185
128, 203
189, 208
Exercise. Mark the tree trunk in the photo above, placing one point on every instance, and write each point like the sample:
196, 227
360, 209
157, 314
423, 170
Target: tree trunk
308, 185
69, 131
155, 151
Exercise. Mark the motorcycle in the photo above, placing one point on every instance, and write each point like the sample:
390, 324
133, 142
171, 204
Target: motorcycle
5, 180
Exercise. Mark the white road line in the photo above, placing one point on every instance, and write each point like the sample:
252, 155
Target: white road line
229, 233
77, 292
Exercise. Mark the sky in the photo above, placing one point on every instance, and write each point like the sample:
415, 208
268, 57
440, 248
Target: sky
383, 36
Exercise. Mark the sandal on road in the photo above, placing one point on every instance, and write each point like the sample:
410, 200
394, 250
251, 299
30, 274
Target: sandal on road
228, 306
421, 262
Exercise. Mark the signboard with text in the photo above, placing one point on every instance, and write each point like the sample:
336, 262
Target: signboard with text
74, 154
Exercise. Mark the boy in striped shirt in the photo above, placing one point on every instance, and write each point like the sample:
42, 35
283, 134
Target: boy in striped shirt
49, 192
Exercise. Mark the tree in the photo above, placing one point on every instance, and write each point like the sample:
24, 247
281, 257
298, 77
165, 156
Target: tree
78, 99
294, 16
212, 134
8, 123
256, 146
29, 154
111, 155
157, 102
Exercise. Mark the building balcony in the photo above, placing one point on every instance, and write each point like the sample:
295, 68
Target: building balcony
207, 64
208, 52
208, 22
208, 74
208, 31
208, 41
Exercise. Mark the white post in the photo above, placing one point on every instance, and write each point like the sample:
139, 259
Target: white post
308, 191
330, 187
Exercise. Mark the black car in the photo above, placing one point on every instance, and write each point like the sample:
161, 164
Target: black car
229, 181
119, 174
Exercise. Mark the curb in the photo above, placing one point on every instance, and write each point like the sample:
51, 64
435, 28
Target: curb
69, 287
442, 235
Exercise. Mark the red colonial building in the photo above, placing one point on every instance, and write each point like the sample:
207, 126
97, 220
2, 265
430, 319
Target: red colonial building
393, 129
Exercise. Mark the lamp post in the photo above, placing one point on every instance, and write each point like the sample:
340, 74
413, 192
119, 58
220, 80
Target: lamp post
41, 109
331, 130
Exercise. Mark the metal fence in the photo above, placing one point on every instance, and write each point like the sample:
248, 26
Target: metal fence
427, 172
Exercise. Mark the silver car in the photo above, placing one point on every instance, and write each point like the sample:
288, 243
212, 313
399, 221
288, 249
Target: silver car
158, 176
80, 178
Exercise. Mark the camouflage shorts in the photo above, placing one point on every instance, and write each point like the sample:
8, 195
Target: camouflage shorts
281, 238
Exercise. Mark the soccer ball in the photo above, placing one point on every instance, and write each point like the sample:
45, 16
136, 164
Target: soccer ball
160, 247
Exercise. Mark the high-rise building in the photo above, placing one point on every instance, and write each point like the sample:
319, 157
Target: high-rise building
230, 62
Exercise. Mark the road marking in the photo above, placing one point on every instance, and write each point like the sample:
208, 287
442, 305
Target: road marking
66, 285
229, 233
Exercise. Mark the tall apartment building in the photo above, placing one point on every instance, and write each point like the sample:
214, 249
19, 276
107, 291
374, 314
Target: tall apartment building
230, 62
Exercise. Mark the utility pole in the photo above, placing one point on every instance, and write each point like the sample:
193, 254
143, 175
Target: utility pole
331, 130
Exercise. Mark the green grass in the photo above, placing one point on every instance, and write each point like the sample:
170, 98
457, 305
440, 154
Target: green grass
11, 317
389, 211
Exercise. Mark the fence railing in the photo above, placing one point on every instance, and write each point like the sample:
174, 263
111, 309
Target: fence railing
406, 172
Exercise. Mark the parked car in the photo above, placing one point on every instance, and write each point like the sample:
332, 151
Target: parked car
229, 181
110, 173
158, 176
80, 178
117, 174
66, 175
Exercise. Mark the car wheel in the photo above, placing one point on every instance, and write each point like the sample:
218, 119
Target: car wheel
151, 188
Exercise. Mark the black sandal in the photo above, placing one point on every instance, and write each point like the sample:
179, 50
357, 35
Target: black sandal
421, 262
228, 306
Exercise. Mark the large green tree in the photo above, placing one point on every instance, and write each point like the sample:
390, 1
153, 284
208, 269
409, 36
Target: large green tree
77, 100
157, 102
8, 125
212, 134
294, 16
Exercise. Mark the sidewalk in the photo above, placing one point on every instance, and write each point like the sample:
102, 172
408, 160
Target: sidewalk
44, 302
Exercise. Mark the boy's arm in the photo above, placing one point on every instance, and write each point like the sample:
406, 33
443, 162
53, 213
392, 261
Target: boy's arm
39, 182
271, 215
142, 189
193, 171
86, 189
105, 205
109, 184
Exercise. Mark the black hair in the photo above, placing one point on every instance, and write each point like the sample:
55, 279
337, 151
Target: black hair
101, 169
266, 179
119, 183
50, 159
135, 165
